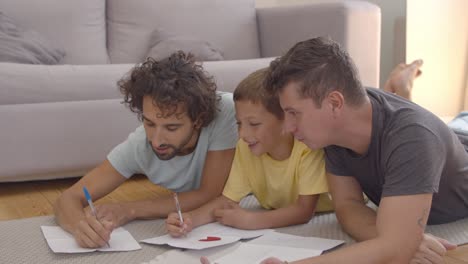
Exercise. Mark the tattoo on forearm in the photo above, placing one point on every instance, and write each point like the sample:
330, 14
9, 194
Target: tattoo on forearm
424, 216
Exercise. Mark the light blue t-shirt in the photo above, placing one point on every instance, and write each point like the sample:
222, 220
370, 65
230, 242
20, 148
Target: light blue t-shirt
181, 173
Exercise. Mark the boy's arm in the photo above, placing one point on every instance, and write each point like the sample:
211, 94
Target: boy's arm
298, 213
204, 214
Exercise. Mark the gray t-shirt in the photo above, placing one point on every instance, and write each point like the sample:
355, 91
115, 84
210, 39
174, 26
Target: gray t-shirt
411, 152
181, 173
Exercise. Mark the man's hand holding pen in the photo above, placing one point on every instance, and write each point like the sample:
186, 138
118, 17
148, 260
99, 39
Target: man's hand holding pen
91, 231
178, 224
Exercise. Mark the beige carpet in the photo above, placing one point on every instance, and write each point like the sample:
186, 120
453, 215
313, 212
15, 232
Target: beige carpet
22, 240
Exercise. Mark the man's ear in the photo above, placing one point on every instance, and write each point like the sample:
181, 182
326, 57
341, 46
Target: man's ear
335, 101
198, 123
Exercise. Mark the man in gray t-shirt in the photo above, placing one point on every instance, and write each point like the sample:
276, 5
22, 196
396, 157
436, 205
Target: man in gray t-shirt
401, 155
186, 144
411, 152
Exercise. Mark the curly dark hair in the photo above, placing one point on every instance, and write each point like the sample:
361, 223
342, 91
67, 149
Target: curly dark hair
170, 82
321, 66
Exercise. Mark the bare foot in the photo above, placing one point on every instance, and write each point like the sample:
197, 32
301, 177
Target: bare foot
401, 79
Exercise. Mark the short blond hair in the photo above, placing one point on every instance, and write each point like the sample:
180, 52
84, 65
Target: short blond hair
252, 89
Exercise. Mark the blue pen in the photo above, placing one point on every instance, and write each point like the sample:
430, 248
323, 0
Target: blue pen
91, 205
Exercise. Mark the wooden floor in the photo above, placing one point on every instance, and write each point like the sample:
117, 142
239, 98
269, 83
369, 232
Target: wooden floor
29, 199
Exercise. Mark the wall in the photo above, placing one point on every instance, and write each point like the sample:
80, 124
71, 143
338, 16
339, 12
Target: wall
437, 31
393, 30
392, 48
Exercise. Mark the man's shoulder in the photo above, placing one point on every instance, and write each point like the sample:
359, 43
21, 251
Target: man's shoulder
137, 142
225, 110
396, 113
138, 135
226, 102
221, 132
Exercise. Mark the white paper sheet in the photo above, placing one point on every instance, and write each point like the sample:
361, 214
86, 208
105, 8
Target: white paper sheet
192, 240
192, 256
61, 241
283, 246
281, 239
254, 253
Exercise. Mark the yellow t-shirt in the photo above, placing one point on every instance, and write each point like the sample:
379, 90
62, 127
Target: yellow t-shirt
275, 183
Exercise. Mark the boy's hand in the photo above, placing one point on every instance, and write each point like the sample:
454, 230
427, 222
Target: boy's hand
175, 228
432, 250
233, 215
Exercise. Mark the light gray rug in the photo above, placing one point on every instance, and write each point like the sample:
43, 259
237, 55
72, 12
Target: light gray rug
22, 240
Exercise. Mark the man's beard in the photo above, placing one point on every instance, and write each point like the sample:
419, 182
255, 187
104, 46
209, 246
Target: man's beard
176, 150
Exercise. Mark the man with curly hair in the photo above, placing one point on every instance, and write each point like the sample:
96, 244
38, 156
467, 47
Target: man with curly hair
186, 144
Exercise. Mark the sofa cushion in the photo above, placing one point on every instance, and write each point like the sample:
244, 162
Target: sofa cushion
32, 84
25, 46
163, 44
228, 74
229, 25
29, 84
77, 26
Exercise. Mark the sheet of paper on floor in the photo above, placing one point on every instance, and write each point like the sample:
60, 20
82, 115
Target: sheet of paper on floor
287, 247
60, 241
281, 239
192, 240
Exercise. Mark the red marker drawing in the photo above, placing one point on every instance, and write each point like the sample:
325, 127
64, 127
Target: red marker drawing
210, 238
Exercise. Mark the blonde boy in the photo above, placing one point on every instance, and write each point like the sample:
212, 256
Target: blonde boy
284, 174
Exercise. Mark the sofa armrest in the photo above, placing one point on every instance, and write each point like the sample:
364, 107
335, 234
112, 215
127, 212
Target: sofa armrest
354, 24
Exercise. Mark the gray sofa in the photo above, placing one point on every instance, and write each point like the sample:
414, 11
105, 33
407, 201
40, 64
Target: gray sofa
59, 121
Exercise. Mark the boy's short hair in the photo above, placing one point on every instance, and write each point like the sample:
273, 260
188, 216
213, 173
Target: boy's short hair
171, 82
320, 66
252, 89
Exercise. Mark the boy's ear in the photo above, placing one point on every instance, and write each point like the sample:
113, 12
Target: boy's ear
335, 102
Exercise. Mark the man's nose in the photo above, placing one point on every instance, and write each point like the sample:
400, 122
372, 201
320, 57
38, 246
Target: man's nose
158, 139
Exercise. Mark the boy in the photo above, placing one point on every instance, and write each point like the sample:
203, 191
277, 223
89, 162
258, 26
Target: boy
282, 173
